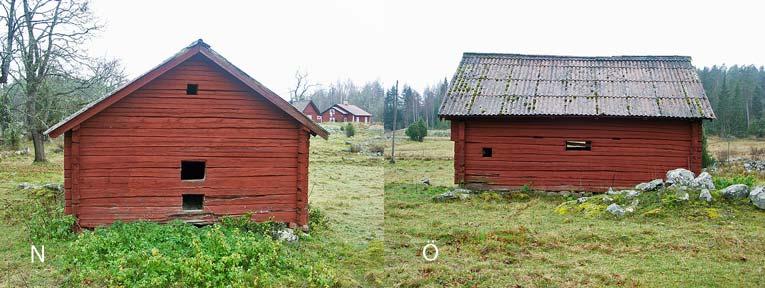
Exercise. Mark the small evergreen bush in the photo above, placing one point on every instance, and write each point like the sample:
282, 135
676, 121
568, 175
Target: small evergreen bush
349, 130
417, 131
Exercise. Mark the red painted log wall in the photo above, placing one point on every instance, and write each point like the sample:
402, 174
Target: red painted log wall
532, 151
124, 163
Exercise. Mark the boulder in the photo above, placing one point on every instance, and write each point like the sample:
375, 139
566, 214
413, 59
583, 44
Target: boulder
680, 176
607, 199
54, 187
615, 209
612, 192
683, 195
426, 181
735, 191
462, 190
704, 181
631, 208
456, 194
652, 185
705, 195
757, 196
631, 193
26, 185
286, 234
446, 196
581, 200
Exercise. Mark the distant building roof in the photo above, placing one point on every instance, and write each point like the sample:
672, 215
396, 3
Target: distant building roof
301, 105
353, 109
516, 85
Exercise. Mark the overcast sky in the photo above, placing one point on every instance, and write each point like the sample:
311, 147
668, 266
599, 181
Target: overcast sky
420, 42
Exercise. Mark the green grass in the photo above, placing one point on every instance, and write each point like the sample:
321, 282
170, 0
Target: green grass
346, 187
494, 241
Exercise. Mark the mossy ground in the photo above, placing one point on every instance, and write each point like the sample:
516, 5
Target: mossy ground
345, 186
495, 241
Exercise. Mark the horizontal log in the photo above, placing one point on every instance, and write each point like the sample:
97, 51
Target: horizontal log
91, 221
178, 190
210, 173
109, 162
194, 152
177, 201
142, 182
107, 121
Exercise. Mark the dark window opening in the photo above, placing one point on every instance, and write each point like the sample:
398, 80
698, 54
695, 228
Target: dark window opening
192, 170
486, 152
578, 145
191, 89
193, 201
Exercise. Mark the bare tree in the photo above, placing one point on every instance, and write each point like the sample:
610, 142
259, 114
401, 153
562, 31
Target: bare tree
49, 39
302, 86
11, 24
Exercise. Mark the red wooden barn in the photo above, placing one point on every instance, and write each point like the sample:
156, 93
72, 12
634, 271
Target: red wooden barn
573, 123
308, 108
193, 139
345, 113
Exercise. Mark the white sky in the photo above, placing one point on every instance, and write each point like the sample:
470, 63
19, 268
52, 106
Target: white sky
421, 42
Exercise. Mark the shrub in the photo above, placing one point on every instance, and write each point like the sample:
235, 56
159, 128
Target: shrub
417, 131
12, 137
147, 254
317, 220
349, 130
722, 182
706, 158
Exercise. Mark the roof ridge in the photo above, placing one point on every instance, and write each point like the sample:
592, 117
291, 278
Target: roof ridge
565, 57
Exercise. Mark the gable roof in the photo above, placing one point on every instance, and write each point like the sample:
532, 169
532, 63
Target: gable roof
353, 109
198, 47
301, 105
625, 86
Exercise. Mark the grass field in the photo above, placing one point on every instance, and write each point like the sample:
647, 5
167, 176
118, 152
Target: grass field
495, 241
347, 187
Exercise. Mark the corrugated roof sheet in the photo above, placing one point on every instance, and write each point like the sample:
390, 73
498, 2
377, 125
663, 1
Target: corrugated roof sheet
513, 84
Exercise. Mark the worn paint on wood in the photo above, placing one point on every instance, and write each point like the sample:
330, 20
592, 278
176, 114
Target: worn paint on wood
123, 163
532, 152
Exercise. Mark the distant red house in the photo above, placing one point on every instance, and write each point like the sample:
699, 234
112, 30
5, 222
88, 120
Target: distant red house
345, 113
193, 139
308, 108
573, 123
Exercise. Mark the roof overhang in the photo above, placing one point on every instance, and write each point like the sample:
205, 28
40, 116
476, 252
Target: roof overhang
196, 48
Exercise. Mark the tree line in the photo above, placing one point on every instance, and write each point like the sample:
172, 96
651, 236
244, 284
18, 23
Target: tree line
737, 95
45, 75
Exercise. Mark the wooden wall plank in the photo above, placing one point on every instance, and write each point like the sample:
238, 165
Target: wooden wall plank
532, 151
126, 159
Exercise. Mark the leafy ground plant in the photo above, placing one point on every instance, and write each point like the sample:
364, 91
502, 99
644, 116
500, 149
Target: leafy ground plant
343, 248
146, 254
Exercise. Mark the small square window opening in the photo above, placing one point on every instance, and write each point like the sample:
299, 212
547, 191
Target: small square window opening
191, 89
192, 170
193, 201
486, 152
